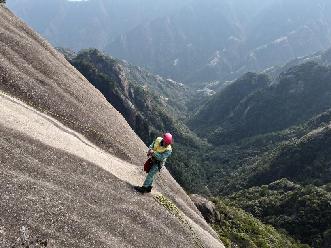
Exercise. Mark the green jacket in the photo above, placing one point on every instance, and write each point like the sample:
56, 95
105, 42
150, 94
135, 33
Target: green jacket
161, 153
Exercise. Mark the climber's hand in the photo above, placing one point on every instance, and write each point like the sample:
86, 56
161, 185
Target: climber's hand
150, 152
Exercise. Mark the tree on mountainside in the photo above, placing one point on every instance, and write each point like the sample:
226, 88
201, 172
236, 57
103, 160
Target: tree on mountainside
2, 1
303, 211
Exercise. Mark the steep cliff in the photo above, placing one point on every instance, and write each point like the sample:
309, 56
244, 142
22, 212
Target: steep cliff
69, 160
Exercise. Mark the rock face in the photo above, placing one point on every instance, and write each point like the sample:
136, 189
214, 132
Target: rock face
69, 160
206, 207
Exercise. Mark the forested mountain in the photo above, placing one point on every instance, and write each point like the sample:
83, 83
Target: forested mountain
238, 228
209, 118
321, 57
303, 211
189, 41
286, 182
271, 137
309, 155
296, 96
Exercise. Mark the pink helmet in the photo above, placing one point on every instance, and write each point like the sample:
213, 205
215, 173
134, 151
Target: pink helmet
167, 138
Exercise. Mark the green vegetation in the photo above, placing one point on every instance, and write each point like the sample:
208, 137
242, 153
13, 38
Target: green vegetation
174, 210
237, 228
208, 121
267, 136
250, 106
303, 211
170, 206
309, 155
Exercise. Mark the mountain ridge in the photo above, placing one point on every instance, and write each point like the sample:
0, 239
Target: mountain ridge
292, 98
230, 38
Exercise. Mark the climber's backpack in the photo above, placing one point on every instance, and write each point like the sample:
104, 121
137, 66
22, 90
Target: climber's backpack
148, 165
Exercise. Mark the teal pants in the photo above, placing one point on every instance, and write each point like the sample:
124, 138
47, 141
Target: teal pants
151, 175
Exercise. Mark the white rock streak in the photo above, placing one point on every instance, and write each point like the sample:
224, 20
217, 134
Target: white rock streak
53, 133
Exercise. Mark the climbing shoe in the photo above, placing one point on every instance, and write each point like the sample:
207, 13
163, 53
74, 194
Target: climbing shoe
143, 189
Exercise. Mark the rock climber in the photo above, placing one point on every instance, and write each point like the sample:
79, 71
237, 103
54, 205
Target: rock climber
158, 153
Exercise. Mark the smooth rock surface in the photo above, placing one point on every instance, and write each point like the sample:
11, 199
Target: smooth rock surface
68, 160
